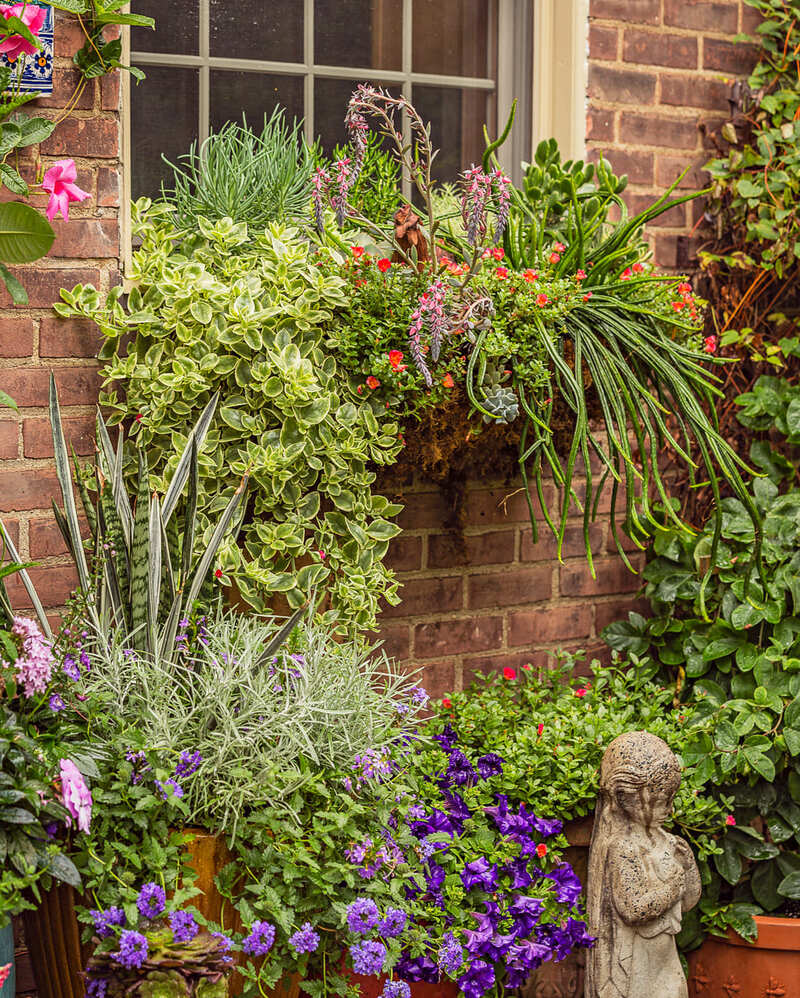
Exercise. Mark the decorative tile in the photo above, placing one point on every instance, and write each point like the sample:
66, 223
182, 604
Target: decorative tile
37, 74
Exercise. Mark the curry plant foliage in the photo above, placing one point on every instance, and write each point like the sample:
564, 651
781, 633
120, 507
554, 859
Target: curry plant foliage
245, 314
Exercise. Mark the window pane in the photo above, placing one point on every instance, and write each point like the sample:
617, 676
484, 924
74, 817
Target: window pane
454, 37
177, 27
164, 113
358, 33
457, 118
330, 105
254, 95
253, 29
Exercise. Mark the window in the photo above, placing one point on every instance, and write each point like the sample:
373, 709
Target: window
209, 61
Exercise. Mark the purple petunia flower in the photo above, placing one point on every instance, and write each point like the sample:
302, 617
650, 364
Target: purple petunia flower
477, 980
133, 949
104, 920
490, 765
526, 912
260, 940
479, 873
151, 900
568, 886
418, 968
459, 769
517, 869
394, 922
305, 940
477, 939
362, 915
547, 826
56, 703
368, 957
184, 928
447, 738
396, 989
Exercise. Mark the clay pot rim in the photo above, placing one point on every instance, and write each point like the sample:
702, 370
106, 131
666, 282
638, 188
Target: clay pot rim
773, 933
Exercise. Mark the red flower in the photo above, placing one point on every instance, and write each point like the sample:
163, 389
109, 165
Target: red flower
677, 305
541, 850
357, 251
498, 253
710, 344
581, 275
509, 673
447, 702
542, 300
730, 820
581, 692
684, 288
447, 380
539, 729
554, 258
372, 382
638, 268
527, 666
559, 247
529, 276
322, 555
626, 274
139, 417
588, 295
501, 273
217, 573
384, 265
395, 358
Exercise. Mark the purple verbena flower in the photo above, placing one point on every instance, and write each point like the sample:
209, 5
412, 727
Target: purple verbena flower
362, 915
104, 920
151, 900
451, 955
184, 928
188, 763
368, 957
396, 989
393, 923
97, 987
260, 940
305, 940
169, 788
133, 949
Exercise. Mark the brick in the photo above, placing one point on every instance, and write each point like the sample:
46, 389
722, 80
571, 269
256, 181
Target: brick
54, 584
96, 137
107, 187
440, 638
636, 11
612, 577
600, 124
509, 588
638, 166
44, 286
549, 624
671, 218
31, 387
27, 488
751, 18
423, 510
621, 86
666, 251
602, 42
396, 640
500, 505
451, 549
669, 168
439, 678
110, 92
65, 83
700, 15
608, 613
86, 238
16, 337
69, 36
546, 547
37, 436
9, 438
405, 554
657, 48
689, 91
657, 130
12, 526
728, 57
68, 337
427, 596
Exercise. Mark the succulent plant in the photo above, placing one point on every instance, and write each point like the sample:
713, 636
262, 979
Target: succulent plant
502, 403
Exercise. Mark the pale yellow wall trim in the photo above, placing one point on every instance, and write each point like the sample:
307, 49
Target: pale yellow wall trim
560, 67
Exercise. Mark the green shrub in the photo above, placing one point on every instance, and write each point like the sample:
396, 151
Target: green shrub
246, 314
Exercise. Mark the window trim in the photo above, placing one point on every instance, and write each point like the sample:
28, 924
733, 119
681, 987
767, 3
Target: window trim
560, 74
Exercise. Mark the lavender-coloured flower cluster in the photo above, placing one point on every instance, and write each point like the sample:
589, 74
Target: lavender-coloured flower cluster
34, 662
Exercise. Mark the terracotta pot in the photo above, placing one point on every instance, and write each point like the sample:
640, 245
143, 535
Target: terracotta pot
730, 967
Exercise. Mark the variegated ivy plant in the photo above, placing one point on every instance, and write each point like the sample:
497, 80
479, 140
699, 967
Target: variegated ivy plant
245, 314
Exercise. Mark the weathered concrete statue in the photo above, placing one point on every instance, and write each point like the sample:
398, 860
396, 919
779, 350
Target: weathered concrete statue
641, 878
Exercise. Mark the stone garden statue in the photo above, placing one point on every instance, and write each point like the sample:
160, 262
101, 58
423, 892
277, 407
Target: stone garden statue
641, 878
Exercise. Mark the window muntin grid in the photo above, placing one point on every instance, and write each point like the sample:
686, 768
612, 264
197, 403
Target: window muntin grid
507, 59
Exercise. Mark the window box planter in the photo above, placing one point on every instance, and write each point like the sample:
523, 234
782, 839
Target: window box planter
769, 966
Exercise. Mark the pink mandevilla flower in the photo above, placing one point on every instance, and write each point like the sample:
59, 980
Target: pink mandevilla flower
75, 794
33, 19
60, 182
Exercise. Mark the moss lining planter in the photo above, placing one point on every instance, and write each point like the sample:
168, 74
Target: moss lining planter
731, 965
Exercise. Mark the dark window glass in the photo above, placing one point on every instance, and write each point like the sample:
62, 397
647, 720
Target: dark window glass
163, 121
365, 33
253, 95
451, 37
177, 27
456, 118
257, 29
330, 104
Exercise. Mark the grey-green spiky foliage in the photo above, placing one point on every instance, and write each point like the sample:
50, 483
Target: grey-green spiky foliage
265, 724
142, 577
240, 174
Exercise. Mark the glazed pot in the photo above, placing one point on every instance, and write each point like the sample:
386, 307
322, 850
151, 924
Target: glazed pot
8, 989
730, 967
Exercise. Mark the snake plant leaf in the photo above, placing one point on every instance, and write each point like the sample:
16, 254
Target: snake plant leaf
114, 460
281, 635
13, 554
196, 437
190, 516
216, 539
64, 474
154, 549
138, 596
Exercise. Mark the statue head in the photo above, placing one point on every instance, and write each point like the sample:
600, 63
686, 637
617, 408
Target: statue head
639, 777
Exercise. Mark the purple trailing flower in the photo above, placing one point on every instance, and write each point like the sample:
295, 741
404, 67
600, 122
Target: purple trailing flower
459, 769
477, 939
479, 873
419, 695
451, 955
35, 660
568, 886
362, 915
563, 939
184, 928
169, 788
188, 763
418, 968
447, 738
490, 765
526, 911
393, 923
70, 668
104, 920
517, 869
527, 955
56, 703
97, 987
151, 900
373, 764
429, 312
477, 980
368, 957
547, 826
434, 877
396, 989
260, 940
133, 949
305, 940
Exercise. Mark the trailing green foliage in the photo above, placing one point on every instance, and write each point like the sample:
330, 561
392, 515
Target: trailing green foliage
246, 315
239, 174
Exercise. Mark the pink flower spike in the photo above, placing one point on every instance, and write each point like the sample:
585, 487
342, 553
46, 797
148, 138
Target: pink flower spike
32, 17
75, 794
60, 182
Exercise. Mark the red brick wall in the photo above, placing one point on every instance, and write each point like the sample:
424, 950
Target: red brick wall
660, 70
33, 341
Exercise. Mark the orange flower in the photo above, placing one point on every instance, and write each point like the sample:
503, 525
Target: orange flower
554, 258
581, 275
626, 274
384, 265
372, 382
447, 702
684, 288
447, 381
677, 305
559, 247
638, 268
541, 850
588, 295
542, 300
501, 273
395, 359
529, 276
